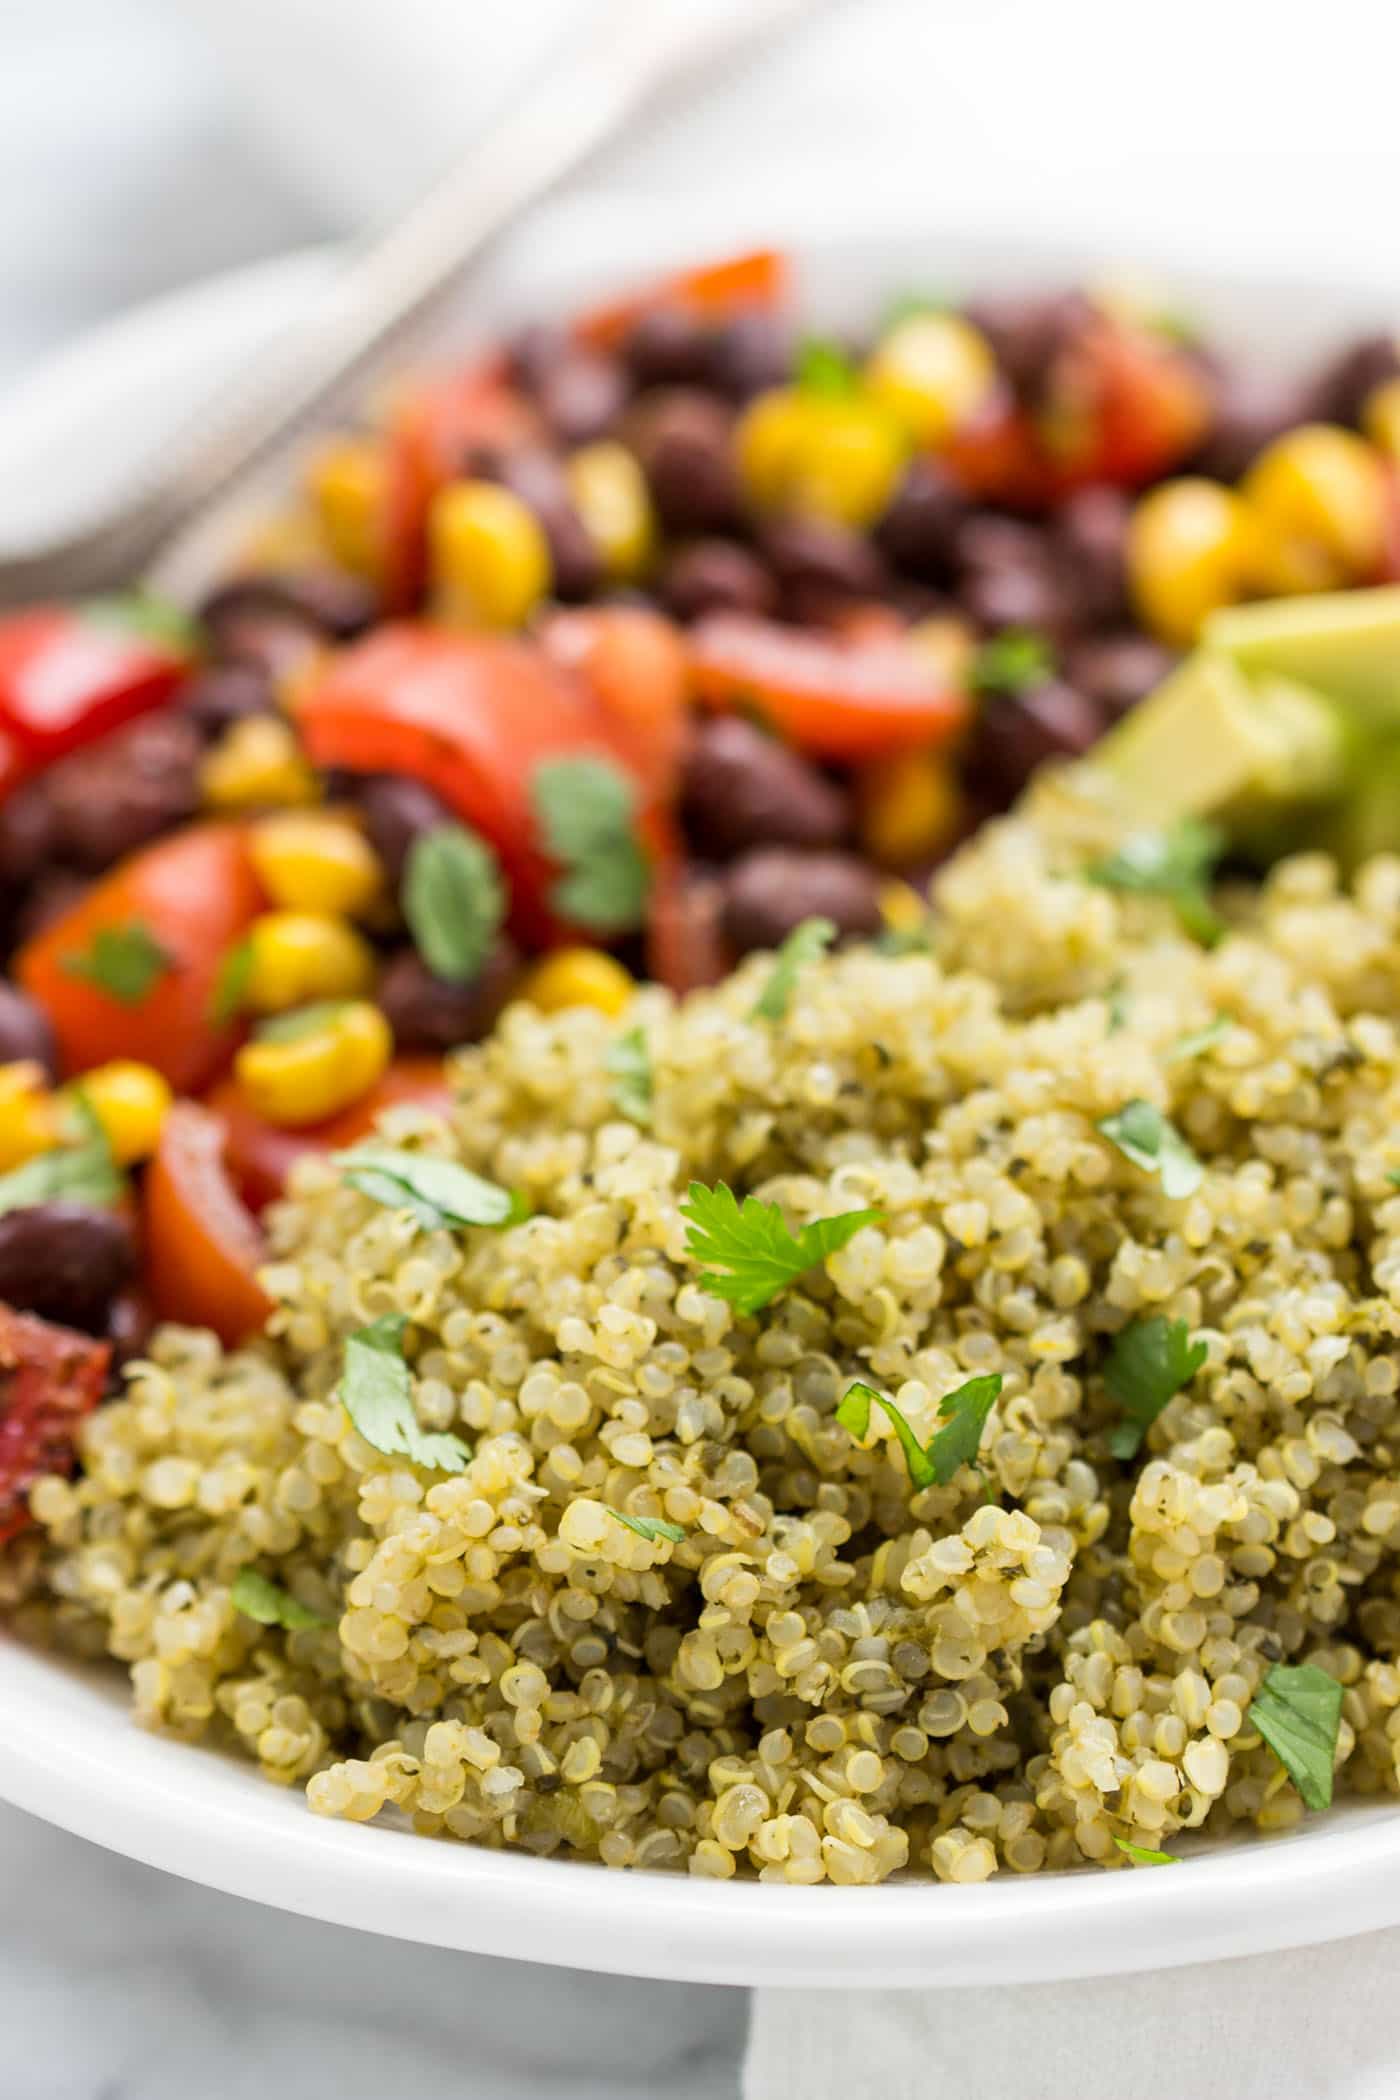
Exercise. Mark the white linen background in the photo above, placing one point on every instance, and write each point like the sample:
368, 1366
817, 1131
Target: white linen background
133, 159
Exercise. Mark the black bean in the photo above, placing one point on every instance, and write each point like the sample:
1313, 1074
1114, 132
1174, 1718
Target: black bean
537, 478
668, 346
1010, 577
1017, 732
582, 396
1338, 393
683, 439
717, 576
397, 811
274, 621
773, 889
25, 1034
1027, 336
1117, 670
749, 354
55, 891
427, 1013
819, 556
26, 834
125, 790
65, 1261
919, 531
536, 352
1249, 409
224, 694
741, 788
1092, 539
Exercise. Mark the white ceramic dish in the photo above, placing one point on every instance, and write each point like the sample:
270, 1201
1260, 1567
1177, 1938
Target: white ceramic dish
68, 1750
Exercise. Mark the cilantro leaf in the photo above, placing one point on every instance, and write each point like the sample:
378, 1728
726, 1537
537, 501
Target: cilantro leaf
749, 1251
1175, 864
439, 1192
126, 962
587, 814
1298, 1711
823, 367
1393, 1176
1150, 1362
454, 901
81, 1173
904, 940
628, 1064
299, 1022
231, 984
258, 1597
1143, 1856
803, 945
967, 1408
1200, 1039
652, 1528
1010, 663
377, 1393
1146, 1137
151, 619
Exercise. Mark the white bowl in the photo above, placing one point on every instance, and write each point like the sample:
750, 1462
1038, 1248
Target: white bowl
69, 1751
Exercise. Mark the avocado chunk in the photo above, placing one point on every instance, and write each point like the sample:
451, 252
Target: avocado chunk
1212, 742
1346, 644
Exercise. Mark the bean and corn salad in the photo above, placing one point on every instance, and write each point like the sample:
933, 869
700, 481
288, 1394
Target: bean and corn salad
923, 1406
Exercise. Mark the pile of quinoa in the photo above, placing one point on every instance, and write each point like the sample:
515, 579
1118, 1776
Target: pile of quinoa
831, 1677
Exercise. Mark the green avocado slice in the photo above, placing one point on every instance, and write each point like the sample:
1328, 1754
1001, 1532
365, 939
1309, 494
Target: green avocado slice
1346, 644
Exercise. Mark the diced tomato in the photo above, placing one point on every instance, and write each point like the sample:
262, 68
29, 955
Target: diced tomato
203, 1245
49, 1379
259, 1155
193, 895
635, 663
686, 949
759, 277
69, 674
431, 435
833, 697
471, 716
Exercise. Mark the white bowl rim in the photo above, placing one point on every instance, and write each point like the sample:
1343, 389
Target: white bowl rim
69, 1752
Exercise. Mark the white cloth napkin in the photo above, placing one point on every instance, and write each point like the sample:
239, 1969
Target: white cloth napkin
1315, 2023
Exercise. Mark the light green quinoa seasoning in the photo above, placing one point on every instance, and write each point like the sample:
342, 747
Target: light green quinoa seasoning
828, 1676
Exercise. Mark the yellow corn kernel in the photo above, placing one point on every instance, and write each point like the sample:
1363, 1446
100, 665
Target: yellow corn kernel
287, 540
1191, 550
946, 644
347, 481
773, 434
1380, 418
316, 861
297, 956
28, 1124
902, 908
578, 977
909, 807
833, 456
609, 491
1318, 501
488, 556
306, 1077
131, 1102
933, 371
258, 762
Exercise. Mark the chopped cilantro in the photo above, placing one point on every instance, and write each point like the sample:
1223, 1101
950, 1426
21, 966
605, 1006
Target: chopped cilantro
151, 619
1393, 1176
1298, 1710
1200, 1039
439, 1192
823, 367
1176, 864
1011, 662
1143, 1856
1151, 1360
803, 945
966, 1410
84, 1172
258, 1597
299, 1022
454, 901
377, 1392
231, 984
628, 1065
1146, 1137
652, 1528
750, 1254
587, 813
126, 962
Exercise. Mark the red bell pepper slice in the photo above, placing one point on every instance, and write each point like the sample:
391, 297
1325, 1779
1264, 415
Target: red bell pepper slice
757, 278
49, 1379
69, 674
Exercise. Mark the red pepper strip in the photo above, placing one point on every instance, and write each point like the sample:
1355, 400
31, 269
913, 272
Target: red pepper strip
757, 278
69, 674
49, 1379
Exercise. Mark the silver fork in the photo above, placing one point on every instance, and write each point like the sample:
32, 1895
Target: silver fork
630, 57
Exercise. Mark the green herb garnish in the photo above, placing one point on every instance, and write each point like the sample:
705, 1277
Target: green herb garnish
823, 367
299, 1022
377, 1392
749, 1251
84, 1172
1176, 864
1297, 1710
1392, 1175
125, 962
628, 1065
1200, 1039
440, 1193
803, 945
1146, 1137
454, 901
1145, 1857
587, 809
231, 984
1011, 663
966, 1410
1150, 1362
904, 940
652, 1528
152, 619
257, 1597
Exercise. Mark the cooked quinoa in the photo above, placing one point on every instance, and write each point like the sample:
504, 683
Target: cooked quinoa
830, 1677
